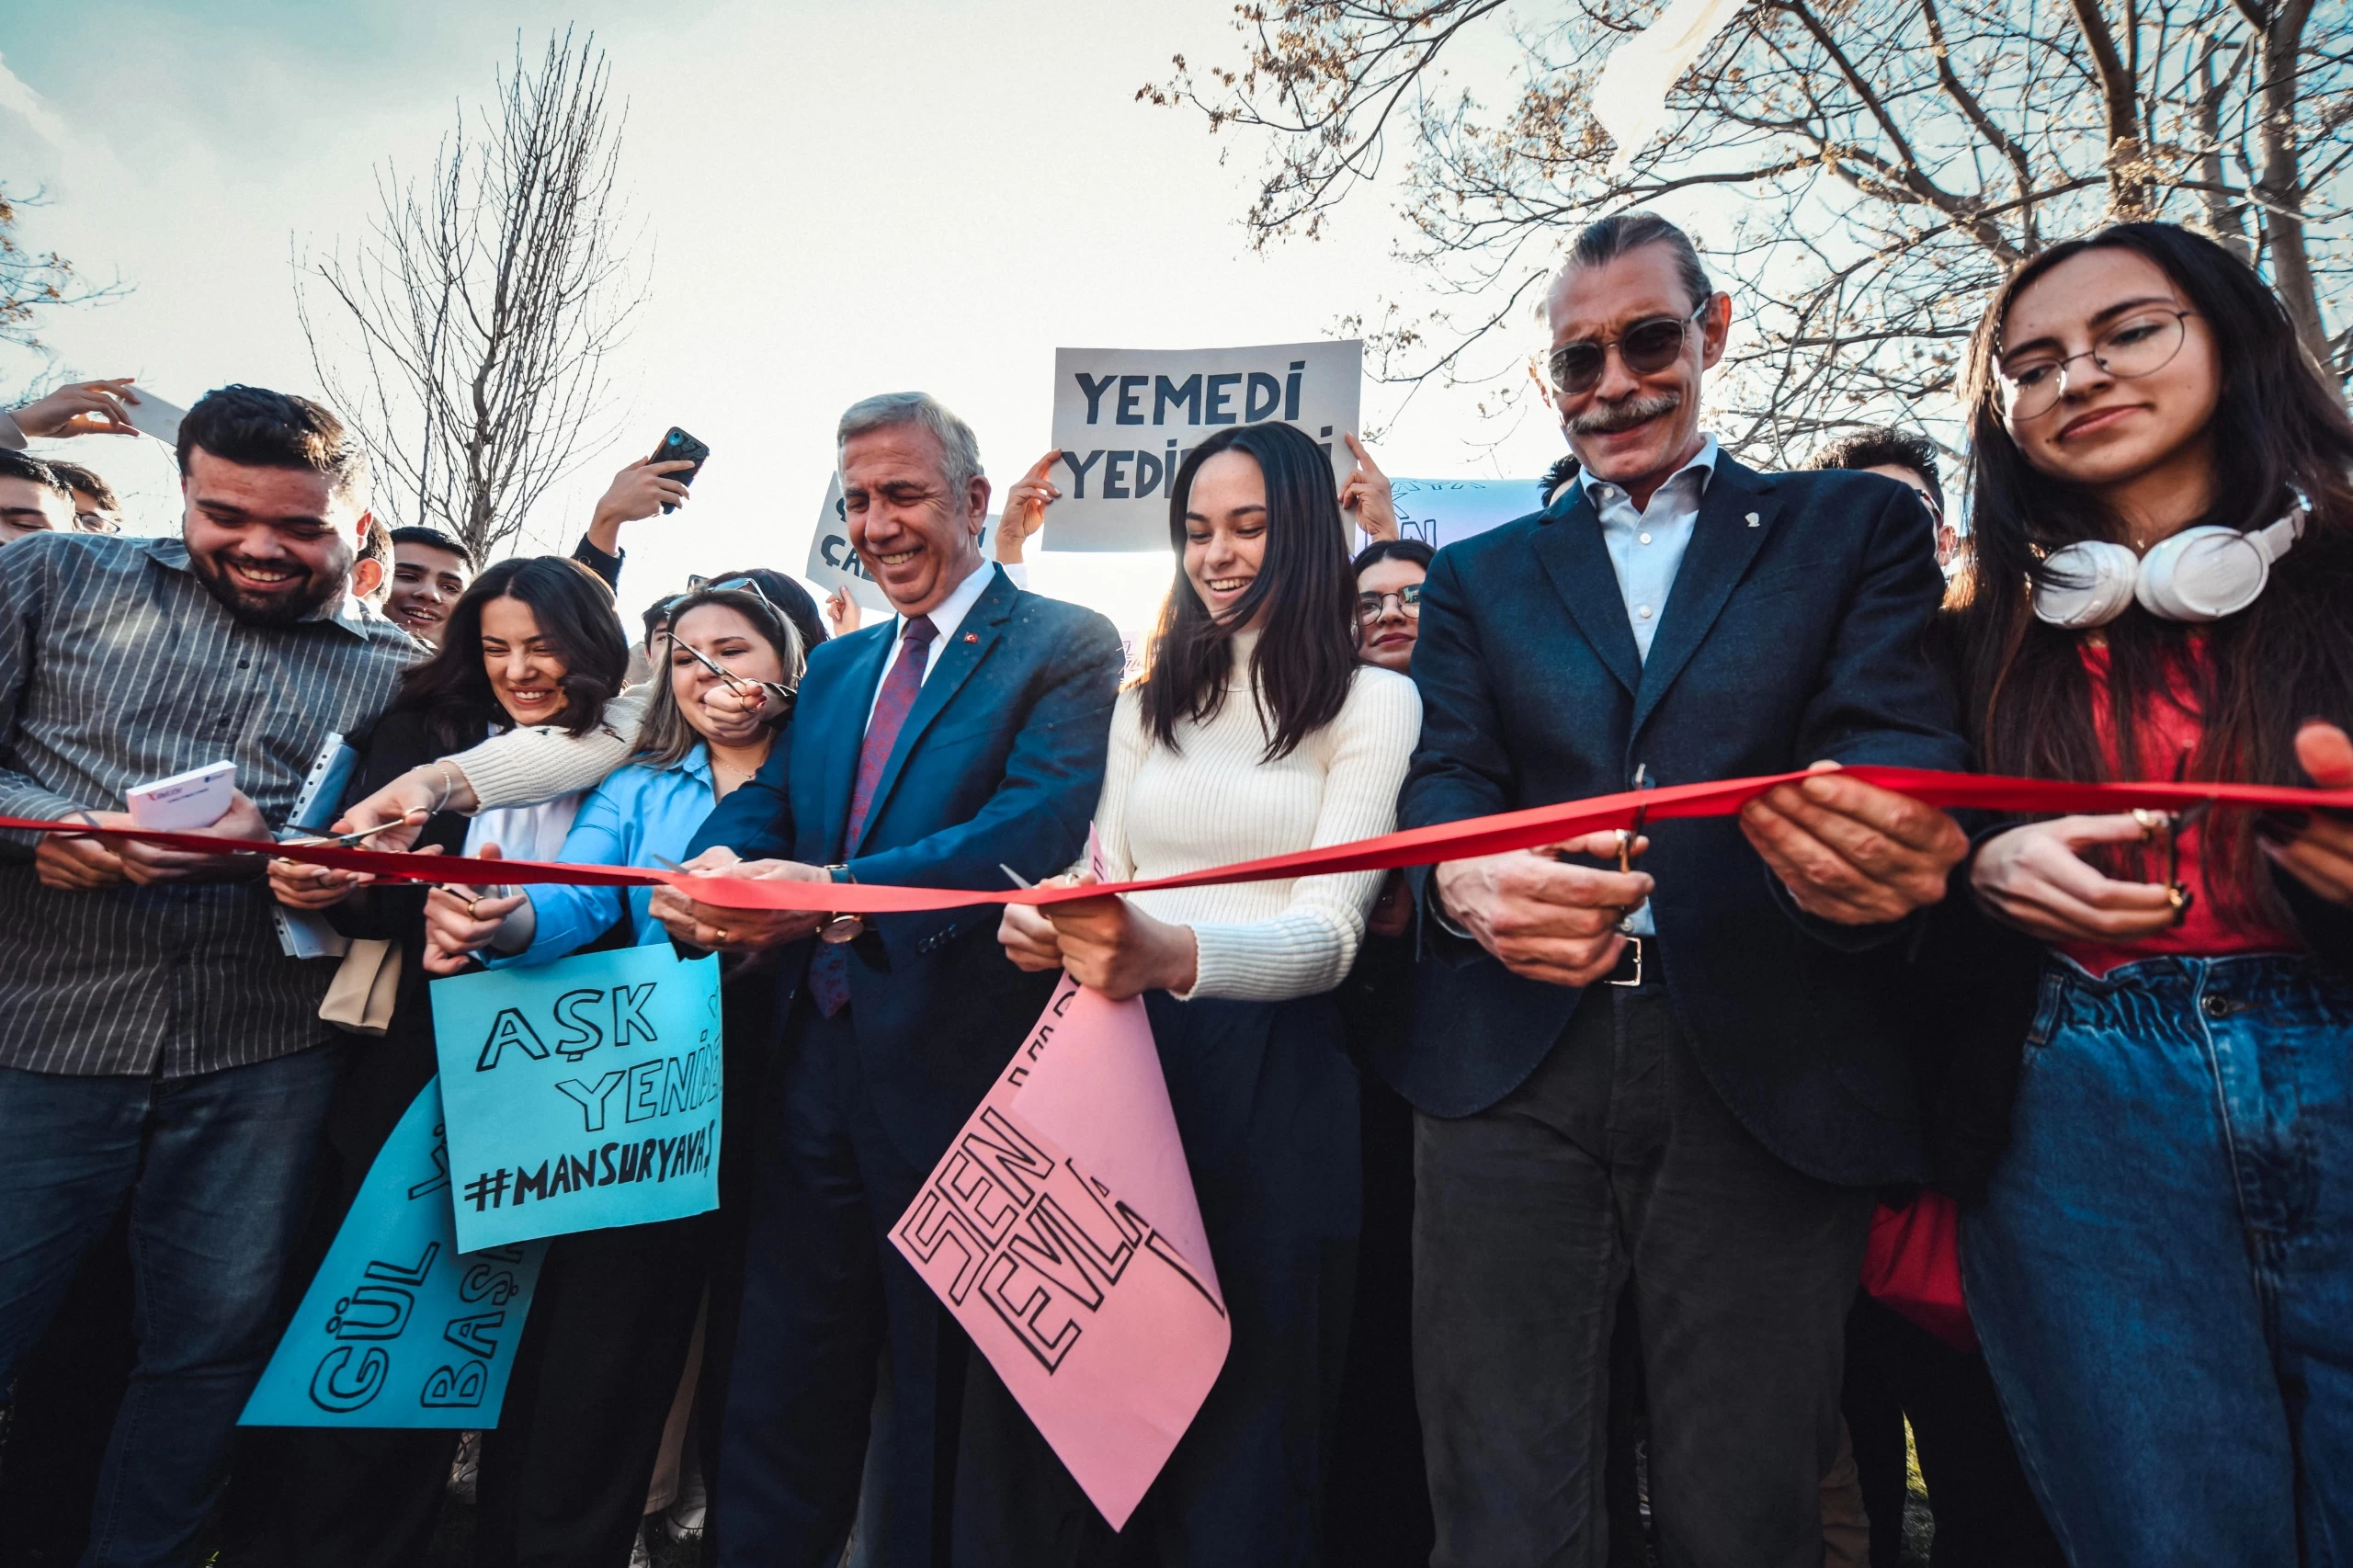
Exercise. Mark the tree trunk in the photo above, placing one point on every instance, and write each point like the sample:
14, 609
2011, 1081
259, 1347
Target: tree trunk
2279, 189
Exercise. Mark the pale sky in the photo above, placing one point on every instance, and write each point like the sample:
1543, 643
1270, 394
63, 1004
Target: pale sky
837, 201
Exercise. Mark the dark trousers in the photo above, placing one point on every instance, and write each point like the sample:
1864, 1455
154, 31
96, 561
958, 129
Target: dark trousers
1266, 1101
564, 1473
61, 1411
823, 1291
1617, 1155
1986, 1515
1377, 1507
215, 1171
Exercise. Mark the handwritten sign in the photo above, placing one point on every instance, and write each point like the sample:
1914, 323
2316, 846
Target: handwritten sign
1095, 1301
1441, 511
1125, 418
399, 1328
581, 1094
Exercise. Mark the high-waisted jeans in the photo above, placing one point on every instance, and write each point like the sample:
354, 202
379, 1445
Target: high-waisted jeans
2162, 1271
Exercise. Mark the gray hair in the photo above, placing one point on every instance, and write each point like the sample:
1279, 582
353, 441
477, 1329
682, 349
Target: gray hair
959, 449
1603, 241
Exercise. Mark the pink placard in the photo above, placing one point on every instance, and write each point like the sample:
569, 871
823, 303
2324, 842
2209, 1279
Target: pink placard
1090, 1305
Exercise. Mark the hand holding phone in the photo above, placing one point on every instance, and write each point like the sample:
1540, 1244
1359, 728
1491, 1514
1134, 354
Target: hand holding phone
678, 446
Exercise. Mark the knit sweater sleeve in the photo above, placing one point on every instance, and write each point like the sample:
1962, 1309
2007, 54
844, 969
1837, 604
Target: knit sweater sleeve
525, 766
1308, 947
1125, 750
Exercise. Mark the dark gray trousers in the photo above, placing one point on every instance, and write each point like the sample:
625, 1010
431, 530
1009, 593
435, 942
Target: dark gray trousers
1616, 1156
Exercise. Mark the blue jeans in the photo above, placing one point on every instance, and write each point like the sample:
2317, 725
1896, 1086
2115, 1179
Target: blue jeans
2162, 1273
216, 1170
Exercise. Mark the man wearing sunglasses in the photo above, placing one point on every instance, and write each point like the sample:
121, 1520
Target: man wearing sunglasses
1676, 1063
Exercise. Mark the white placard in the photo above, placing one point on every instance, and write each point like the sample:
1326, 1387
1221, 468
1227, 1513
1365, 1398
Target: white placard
1125, 418
1441, 511
834, 564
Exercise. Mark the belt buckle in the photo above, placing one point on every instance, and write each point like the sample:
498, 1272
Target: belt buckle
1634, 945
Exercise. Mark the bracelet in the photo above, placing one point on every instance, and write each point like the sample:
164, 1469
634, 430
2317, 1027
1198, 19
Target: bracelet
448, 785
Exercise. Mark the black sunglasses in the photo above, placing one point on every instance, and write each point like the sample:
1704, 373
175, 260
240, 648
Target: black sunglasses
1647, 347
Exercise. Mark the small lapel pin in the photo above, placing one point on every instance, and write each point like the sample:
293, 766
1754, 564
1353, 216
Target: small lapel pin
972, 637
1751, 520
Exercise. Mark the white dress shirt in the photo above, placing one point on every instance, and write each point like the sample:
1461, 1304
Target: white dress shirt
945, 616
1646, 546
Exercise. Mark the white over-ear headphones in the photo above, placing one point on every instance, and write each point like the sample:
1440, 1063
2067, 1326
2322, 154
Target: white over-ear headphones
2202, 573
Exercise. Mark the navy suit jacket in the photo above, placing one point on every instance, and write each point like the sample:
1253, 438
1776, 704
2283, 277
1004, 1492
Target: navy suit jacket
1000, 761
1794, 632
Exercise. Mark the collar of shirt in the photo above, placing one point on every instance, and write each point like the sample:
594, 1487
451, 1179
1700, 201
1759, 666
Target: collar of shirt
350, 611
949, 613
1601, 491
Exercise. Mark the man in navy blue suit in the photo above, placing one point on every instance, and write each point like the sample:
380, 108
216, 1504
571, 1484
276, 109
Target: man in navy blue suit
1690, 1072
965, 733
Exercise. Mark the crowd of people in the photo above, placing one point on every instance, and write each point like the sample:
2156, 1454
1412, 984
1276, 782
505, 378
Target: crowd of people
1626, 1200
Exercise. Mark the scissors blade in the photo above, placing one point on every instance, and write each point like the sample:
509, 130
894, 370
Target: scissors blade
1018, 879
733, 682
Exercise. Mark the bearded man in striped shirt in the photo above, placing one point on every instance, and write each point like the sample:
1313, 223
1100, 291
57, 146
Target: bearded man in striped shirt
158, 1052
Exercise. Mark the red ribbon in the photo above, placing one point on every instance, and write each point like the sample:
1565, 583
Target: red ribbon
1528, 829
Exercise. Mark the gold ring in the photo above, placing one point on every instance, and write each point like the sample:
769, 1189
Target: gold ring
474, 907
721, 932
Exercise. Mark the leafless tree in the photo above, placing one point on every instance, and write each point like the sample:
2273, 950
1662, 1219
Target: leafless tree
1891, 160
468, 332
37, 283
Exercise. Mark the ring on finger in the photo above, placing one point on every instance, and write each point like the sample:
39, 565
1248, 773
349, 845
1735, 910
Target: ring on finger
474, 908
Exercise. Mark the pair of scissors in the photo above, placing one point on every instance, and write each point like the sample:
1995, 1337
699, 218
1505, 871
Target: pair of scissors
734, 682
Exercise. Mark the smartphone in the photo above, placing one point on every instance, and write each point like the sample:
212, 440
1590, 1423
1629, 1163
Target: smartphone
151, 415
676, 444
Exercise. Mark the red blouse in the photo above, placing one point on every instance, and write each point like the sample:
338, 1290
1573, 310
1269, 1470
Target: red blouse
2169, 731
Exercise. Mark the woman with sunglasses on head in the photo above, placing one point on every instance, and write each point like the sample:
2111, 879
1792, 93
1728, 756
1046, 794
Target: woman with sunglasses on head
532, 644
614, 1309
1254, 731
2162, 1268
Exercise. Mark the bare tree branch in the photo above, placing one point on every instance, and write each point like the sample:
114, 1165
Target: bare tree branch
1892, 159
476, 315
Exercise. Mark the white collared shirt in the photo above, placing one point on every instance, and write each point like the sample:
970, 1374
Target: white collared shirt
945, 616
1646, 544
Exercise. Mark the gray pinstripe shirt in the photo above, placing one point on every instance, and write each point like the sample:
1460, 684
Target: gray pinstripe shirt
118, 666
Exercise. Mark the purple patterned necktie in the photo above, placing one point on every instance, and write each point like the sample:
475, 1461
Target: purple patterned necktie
829, 970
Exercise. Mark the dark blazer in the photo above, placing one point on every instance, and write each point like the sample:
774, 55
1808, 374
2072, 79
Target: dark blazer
1000, 763
1795, 632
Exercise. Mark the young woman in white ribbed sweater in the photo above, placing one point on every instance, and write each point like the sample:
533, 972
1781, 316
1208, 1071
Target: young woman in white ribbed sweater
1253, 731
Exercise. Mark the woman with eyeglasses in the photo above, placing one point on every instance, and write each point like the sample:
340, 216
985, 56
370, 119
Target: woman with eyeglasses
2162, 1267
532, 642
1254, 731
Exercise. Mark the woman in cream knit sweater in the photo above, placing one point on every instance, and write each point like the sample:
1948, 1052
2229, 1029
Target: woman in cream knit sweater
1255, 732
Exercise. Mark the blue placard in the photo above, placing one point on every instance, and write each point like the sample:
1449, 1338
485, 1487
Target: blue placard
398, 1327
581, 1094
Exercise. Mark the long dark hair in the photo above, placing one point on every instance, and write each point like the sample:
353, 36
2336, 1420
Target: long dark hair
574, 610
2287, 658
1305, 659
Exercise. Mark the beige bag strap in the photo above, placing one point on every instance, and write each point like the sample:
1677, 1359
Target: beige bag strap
360, 996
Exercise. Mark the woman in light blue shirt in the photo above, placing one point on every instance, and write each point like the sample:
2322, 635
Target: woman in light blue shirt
617, 1307
734, 660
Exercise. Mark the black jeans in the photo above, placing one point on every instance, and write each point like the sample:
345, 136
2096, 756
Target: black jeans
1986, 1515
1615, 1156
